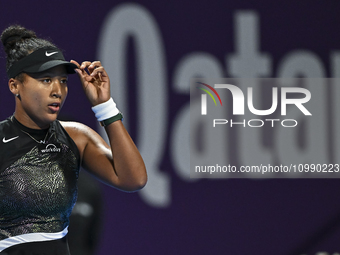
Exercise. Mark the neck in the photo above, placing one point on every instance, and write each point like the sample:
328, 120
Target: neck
30, 122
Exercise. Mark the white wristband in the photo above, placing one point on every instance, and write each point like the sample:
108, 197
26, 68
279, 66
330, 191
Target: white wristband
105, 110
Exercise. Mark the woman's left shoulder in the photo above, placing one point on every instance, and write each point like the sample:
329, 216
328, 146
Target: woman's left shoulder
79, 133
75, 127
85, 137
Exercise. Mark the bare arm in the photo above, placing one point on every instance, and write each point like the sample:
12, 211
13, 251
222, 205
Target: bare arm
119, 165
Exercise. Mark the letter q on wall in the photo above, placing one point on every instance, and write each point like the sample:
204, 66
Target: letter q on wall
134, 21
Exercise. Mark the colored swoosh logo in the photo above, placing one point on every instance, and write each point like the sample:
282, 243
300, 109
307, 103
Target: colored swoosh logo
209, 93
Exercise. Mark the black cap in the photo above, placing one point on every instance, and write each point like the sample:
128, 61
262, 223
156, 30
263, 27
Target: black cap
39, 61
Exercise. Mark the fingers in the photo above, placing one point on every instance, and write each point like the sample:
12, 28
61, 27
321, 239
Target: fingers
95, 81
84, 65
94, 69
98, 72
75, 62
95, 64
92, 72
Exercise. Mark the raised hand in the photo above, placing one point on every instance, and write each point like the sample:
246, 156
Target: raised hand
95, 81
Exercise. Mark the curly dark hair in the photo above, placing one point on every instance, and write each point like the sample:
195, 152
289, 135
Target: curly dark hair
19, 42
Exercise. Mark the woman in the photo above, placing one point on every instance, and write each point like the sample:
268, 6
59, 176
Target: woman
41, 156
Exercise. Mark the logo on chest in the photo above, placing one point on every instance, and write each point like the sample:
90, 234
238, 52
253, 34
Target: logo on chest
50, 148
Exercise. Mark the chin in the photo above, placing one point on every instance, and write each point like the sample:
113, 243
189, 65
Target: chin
53, 117
50, 118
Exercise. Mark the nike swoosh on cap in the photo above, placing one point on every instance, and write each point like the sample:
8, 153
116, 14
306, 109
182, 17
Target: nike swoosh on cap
8, 140
50, 54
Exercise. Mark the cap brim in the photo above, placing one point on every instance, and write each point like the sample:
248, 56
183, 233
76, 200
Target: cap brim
50, 64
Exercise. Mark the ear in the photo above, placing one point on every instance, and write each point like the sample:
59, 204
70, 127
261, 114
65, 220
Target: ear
13, 86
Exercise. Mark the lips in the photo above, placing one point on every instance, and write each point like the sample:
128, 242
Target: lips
54, 107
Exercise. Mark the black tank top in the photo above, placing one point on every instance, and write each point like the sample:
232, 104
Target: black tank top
38, 181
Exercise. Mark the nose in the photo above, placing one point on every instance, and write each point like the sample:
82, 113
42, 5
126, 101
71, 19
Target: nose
57, 89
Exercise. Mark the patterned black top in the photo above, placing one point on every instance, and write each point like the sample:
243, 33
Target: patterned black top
38, 181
